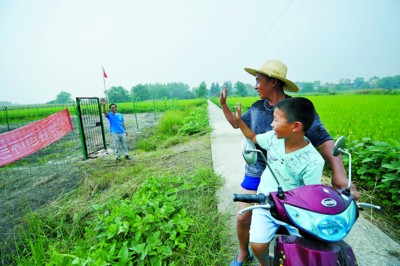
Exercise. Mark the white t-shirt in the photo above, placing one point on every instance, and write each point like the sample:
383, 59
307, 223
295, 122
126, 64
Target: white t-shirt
294, 169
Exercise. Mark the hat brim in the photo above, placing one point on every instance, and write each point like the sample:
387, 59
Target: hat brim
289, 85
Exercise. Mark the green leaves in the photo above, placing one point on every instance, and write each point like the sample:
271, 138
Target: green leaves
145, 229
195, 122
175, 124
377, 168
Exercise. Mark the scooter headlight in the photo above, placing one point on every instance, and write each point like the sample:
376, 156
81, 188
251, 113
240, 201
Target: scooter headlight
327, 227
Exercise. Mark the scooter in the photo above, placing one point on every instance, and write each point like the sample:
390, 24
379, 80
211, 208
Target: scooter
323, 216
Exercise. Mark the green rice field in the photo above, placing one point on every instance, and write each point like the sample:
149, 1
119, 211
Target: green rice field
30, 113
354, 116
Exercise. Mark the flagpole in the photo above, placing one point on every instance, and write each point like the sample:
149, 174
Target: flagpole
105, 91
104, 82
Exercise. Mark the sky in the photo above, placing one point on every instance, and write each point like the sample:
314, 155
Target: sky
49, 46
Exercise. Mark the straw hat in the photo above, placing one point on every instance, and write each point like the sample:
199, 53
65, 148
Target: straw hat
275, 69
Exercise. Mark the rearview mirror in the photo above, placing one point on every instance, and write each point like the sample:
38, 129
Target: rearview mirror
249, 151
340, 144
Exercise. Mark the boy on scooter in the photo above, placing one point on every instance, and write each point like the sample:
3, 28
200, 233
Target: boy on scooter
272, 87
291, 156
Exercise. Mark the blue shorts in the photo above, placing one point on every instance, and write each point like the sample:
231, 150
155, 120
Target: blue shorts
250, 182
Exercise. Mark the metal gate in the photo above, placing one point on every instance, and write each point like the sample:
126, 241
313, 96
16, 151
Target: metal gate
90, 122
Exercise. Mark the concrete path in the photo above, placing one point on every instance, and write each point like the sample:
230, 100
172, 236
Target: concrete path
371, 246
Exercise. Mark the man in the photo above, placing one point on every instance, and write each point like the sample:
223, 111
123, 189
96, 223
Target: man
117, 129
271, 83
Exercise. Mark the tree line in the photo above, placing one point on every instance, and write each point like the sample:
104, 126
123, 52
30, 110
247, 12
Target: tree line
386, 83
178, 90
144, 92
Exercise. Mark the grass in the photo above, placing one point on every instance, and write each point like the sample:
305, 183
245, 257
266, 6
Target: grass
64, 231
353, 116
159, 105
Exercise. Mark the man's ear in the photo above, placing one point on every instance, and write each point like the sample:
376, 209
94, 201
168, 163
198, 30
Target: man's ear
274, 82
297, 126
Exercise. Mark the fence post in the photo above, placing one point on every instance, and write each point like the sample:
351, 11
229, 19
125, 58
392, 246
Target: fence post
81, 136
135, 113
99, 104
154, 110
8, 124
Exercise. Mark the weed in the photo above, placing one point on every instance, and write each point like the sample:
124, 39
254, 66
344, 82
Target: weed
159, 210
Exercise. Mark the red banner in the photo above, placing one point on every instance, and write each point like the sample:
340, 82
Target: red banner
26, 140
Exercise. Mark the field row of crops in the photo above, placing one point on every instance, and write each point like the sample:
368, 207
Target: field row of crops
20, 115
354, 116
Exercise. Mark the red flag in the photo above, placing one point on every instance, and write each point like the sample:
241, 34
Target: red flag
104, 73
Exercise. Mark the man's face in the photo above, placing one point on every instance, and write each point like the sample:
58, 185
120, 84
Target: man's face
113, 109
280, 124
263, 86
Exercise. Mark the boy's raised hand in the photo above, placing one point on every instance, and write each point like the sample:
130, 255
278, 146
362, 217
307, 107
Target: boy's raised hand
237, 116
222, 98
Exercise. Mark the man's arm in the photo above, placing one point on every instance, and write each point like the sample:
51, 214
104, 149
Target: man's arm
103, 103
339, 178
226, 110
126, 132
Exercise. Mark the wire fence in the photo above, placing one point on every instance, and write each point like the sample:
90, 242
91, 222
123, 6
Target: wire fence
42, 177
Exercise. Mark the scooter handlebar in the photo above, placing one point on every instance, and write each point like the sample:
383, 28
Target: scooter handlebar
250, 198
363, 205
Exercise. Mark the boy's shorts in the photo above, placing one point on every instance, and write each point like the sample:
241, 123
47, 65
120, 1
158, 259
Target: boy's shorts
264, 226
250, 182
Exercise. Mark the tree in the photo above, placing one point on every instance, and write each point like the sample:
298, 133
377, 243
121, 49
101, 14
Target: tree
240, 89
322, 90
307, 87
344, 84
385, 83
117, 95
201, 91
162, 92
228, 86
64, 97
214, 90
140, 92
251, 91
345, 81
359, 82
372, 81
396, 82
179, 90
339, 87
317, 84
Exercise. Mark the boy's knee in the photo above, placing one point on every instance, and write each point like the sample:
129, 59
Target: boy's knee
259, 248
244, 219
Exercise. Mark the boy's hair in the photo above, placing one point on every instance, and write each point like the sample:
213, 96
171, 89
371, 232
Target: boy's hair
298, 109
112, 105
